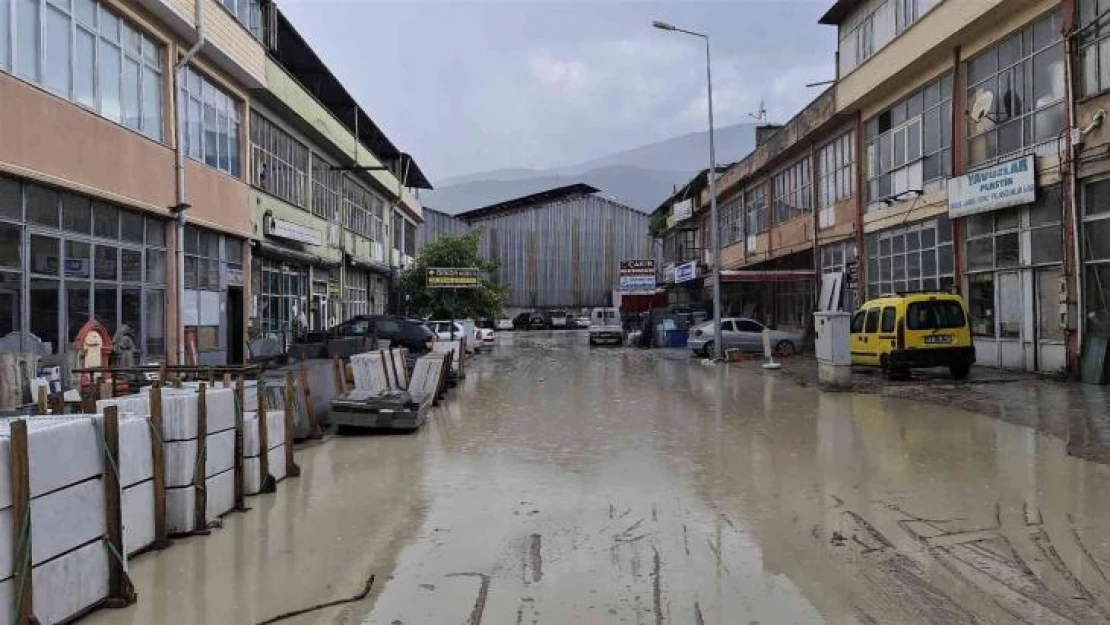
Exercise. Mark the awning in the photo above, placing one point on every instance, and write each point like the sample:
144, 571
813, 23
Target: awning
768, 275
277, 252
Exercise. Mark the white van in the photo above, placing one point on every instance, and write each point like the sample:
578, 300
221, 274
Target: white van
605, 326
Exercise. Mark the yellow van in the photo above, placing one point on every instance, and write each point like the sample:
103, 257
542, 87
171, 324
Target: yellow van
913, 330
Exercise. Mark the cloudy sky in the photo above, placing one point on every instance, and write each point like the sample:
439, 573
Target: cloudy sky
474, 85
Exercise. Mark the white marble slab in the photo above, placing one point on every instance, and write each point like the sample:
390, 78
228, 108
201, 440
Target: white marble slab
72, 438
60, 522
180, 502
63, 587
275, 431
252, 481
181, 457
138, 517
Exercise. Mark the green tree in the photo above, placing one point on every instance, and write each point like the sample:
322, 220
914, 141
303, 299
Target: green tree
487, 300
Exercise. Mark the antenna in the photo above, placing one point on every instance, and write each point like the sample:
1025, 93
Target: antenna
761, 114
982, 106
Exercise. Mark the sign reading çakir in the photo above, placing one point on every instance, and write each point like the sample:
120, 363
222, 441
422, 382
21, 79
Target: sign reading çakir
637, 276
1012, 183
453, 277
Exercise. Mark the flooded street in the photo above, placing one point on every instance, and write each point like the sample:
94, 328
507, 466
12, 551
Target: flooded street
563, 484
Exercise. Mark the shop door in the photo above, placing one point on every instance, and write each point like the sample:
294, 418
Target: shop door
1051, 351
1012, 337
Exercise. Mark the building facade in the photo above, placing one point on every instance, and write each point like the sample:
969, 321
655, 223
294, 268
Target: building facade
561, 248
961, 148
97, 100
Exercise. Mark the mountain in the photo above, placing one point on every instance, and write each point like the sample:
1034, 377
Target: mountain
640, 177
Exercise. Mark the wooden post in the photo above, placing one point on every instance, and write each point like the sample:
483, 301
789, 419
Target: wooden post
240, 491
121, 592
158, 462
88, 401
58, 403
291, 468
200, 477
43, 406
22, 589
340, 378
314, 430
227, 381
264, 481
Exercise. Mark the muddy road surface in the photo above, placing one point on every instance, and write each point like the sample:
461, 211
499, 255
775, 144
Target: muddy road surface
564, 484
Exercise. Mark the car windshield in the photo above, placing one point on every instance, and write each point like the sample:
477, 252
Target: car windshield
935, 315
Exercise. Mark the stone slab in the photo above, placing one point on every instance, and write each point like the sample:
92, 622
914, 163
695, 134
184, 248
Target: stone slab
179, 502
275, 431
181, 457
64, 587
252, 483
138, 517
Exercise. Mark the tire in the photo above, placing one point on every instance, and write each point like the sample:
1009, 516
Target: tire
785, 349
708, 352
960, 371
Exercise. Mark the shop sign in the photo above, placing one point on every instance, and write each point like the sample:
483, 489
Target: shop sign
682, 210
283, 229
453, 277
1012, 183
637, 276
686, 272
234, 276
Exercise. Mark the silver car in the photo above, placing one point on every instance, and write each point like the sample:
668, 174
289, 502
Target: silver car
742, 334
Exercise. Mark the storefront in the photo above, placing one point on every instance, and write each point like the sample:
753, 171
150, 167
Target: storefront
1013, 245
839, 265
1095, 239
65, 258
293, 293
213, 298
914, 257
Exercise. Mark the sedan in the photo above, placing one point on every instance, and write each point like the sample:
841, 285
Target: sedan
504, 324
399, 332
742, 334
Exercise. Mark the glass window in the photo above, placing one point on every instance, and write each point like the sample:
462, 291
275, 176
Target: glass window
212, 124
131, 313
111, 72
42, 206
130, 98
154, 321
857, 322
11, 247
888, 319
11, 199
27, 47
106, 305
105, 220
837, 170
132, 263
45, 257
5, 31
58, 51
1096, 236
1047, 245
872, 325
131, 226
793, 197
934, 315
155, 266
106, 263
78, 306
155, 232
11, 298
45, 303
76, 214
78, 260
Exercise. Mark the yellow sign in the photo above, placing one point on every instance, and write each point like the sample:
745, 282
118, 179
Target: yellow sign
453, 277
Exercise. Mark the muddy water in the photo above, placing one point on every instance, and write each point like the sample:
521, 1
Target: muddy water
568, 485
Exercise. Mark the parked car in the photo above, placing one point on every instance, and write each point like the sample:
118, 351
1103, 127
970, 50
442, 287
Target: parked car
605, 327
504, 324
914, 330
559, 319
461, 328
485, 335
743, 334
582, 322
398, 331
530, 321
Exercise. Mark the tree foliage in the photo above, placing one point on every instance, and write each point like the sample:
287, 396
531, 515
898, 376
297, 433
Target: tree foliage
487, 300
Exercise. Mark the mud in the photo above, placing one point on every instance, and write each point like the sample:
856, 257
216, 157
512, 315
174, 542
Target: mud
563, 484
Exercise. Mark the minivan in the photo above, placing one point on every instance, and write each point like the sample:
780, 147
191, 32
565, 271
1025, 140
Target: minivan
913, 330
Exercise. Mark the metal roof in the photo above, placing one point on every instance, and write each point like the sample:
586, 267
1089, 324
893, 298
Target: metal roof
543, 197
839, 11
291, 51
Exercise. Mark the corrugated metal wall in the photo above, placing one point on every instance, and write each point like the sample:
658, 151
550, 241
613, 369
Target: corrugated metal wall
437, 224
565, 254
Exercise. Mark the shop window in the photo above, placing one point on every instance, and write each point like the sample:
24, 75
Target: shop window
980, 303
105, 220
911, 258
76, 214
42, 206
78, 306
154, 323
11, 247
11, 195
11, 302
1024, 76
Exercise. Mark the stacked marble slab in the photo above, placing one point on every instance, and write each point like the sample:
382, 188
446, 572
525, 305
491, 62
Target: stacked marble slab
370, 372
252, 449
181, 439
69, 558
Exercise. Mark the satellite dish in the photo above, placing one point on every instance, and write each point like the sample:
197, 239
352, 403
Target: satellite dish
982, 106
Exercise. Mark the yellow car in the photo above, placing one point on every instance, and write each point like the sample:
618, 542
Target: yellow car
913, 330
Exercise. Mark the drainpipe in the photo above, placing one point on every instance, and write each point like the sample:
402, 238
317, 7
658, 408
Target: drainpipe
180, 205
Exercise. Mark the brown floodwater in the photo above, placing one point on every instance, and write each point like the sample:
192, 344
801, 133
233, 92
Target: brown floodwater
564, 484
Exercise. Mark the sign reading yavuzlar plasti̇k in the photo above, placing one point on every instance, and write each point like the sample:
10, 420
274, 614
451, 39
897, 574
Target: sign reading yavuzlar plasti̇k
453, 277
1012, 183
637, 276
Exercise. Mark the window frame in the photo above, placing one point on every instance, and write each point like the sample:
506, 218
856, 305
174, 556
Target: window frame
215, 133
792, 191
279, 161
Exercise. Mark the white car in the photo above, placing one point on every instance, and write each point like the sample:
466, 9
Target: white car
444, 332
504, 324
559, 319
582, 323
484, 335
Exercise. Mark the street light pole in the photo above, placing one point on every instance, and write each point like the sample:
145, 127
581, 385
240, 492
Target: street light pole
714, 226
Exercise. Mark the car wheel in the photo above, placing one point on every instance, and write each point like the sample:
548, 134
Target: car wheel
785, 348
708, 351
960, 371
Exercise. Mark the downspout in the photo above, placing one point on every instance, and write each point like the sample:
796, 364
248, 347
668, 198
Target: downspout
180, 205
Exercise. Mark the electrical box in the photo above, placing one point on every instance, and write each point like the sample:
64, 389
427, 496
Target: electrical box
834, 336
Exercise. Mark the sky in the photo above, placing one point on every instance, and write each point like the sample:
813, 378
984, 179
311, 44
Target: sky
475, 85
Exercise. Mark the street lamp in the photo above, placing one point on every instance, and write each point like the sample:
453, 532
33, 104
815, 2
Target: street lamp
715, 227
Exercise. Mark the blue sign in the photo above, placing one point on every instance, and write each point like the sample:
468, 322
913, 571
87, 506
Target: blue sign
686, 272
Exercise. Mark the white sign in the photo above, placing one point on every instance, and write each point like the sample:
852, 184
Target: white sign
686, 272
292, 231
1008, 184
682, 210
637, 276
